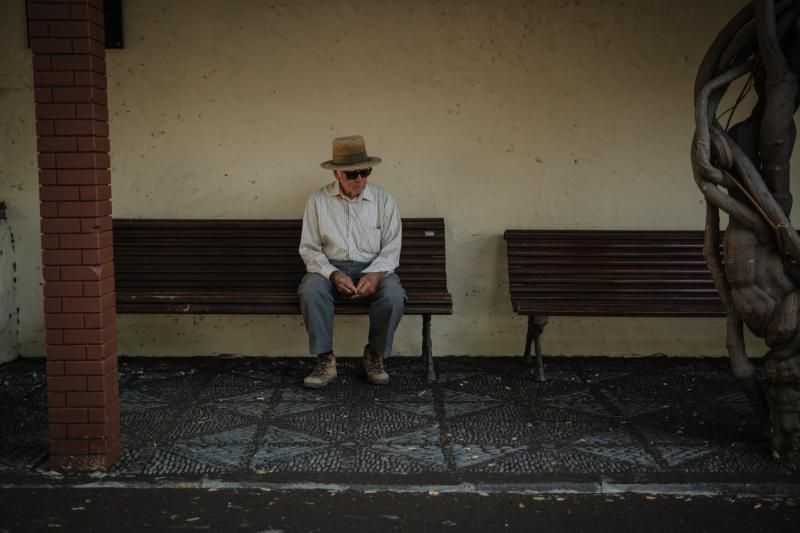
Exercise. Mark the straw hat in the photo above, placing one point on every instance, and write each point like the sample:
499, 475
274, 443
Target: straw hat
350, 153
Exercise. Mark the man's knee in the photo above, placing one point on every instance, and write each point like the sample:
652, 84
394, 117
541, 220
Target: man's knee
391, 291
314, 286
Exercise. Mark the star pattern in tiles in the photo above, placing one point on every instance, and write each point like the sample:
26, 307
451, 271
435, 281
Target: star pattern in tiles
205, 419
549, 425
513, 388
737, 457
251, 405
332, 459
178, 388
295, 401
145, 426
459, 403
251, 416
617, 446
363, 422
221, 451
422, 409
167, 461
225, 386
631, 406
467, 455
675, 449
582, 402
499, 427
134, 401
422, 445
278, 446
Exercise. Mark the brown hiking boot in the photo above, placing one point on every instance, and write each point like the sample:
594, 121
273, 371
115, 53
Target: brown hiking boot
373, 366
323, 373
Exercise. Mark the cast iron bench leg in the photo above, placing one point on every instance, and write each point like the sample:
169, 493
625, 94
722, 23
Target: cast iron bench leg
427, 351
535, 328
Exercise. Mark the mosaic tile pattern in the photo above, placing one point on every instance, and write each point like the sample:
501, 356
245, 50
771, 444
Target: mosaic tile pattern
251, 416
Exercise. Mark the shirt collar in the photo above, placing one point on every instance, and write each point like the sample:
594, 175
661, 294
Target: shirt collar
367, 194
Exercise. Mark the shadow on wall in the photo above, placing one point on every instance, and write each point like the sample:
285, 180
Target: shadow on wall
9, 313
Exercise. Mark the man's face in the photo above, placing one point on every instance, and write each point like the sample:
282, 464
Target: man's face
351, 187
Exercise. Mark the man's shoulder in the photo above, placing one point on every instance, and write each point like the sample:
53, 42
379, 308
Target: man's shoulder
379, 192
324, 191
377, 189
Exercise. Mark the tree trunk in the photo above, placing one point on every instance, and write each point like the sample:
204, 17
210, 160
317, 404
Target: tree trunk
744, 171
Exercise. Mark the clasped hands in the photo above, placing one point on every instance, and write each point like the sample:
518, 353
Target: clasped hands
367, 285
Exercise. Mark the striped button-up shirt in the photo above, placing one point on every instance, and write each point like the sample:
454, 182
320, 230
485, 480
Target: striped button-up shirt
366, 229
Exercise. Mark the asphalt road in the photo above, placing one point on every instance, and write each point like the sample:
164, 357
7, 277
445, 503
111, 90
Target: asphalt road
122, 510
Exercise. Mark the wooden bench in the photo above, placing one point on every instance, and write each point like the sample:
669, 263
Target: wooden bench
607, 273
253, 267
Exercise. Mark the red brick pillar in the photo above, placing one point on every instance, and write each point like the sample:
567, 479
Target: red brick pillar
68, 45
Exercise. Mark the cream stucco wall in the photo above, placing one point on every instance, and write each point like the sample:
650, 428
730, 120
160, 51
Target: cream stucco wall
493, 115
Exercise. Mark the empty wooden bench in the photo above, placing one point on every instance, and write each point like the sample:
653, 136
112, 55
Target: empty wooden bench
253, 267
607, 273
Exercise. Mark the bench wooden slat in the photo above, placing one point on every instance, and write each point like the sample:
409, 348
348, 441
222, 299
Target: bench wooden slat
652, 273
661, 273
245, 273
239, 260
286, 279
261, 239
254, 267
267, 309
522, 282
595, 235
711, 310
626, 293
626, 267
610, 245
667, 261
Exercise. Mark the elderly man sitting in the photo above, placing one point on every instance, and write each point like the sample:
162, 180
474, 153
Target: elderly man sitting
351, 246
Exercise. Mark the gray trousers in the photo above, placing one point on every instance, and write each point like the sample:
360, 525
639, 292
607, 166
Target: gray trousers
317, 297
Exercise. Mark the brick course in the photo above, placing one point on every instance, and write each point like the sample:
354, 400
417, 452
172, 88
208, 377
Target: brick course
67, 42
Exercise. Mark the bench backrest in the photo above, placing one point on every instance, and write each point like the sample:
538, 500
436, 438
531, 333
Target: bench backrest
610, 273
194, 256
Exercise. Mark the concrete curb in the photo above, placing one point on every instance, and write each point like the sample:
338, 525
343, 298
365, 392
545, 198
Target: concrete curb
601, 487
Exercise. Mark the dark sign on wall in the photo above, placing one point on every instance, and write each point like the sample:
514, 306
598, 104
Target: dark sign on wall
113, 23
113, 12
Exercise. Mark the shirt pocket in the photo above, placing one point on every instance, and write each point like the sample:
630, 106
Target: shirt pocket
368, 239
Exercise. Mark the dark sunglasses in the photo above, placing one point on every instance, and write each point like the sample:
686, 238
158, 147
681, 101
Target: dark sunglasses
360, 173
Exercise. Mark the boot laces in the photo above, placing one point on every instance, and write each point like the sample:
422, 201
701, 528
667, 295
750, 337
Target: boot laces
375, 362
322, 367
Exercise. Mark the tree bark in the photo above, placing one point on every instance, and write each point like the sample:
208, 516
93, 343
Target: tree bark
744, 171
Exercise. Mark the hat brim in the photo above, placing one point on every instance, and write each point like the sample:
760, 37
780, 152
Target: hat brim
366, 163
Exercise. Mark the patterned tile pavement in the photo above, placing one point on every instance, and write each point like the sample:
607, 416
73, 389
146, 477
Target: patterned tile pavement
485, 418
